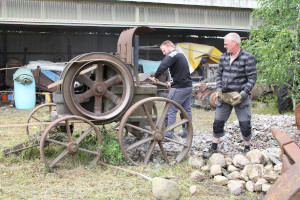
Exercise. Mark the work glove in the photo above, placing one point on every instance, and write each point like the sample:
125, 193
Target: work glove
219, 95
244, 95
236, 100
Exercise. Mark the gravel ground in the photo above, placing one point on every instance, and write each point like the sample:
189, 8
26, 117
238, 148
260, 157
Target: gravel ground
232, 143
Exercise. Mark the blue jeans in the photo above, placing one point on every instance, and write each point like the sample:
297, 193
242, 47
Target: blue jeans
183, 97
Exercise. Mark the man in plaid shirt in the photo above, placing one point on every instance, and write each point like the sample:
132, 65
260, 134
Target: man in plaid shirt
236, 73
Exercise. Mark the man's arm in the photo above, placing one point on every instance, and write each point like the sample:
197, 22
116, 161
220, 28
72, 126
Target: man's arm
250, 73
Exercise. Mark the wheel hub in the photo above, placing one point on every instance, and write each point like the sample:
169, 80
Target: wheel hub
73, 148
99, 89
158, 136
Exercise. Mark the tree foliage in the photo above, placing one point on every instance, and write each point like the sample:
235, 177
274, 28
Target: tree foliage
275, 43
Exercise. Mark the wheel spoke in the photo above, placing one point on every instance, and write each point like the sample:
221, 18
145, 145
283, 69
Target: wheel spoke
114, 98
171, 140
148, 117
98, 104
176, 124
56, 142
138, 143
149, 153
82, 136
33, 117
113, 80
85, 80
163, 116
58, 158
99, 73
163, 152
139, 129
88, 151
80, 98
68, 131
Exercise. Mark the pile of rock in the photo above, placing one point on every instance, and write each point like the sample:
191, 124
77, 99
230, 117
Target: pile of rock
262, 138
255, 172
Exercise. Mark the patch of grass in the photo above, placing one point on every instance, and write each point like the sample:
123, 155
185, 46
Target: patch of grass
111, 150
266, 105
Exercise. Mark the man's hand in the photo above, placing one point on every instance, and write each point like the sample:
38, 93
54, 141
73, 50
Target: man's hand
219, 95
169, 85
155, 80
243, 95
236, 100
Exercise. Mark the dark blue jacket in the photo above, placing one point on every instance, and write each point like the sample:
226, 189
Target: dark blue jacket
240, 75
179, 69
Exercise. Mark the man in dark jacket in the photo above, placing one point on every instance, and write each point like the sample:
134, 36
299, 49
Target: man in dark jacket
236, 73
180, 90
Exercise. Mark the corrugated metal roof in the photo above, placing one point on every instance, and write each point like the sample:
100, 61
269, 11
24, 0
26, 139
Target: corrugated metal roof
117, 13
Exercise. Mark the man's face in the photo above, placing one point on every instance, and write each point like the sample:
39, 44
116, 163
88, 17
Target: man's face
229, 45
166, 50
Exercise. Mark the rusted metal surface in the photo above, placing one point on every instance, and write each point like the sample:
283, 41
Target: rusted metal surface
297, 116
287, 187
203, 96
124, 49
288, 147
153, 127
93, 97
66, 142
42, 81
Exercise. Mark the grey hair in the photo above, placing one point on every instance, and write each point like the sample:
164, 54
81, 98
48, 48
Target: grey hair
233, 37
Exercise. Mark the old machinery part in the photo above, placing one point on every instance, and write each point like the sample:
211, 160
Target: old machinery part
39, 118
70, 139
289, 148
153, 146
287, 187
88, 87
41, 113
124, 48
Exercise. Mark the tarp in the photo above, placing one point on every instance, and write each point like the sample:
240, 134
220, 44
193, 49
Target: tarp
194, 53
149, 66
23, 76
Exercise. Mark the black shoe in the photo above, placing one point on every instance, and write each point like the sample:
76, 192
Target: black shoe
208, 154
245, 151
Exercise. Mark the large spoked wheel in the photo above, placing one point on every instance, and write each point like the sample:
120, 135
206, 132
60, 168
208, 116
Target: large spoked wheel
153, 146
100, 89
78, 141
39, 115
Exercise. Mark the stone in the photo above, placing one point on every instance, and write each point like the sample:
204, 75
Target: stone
205, 168
240, 161
228, 161
255, 171
196, 162
270, 178
217, 159
234, 175
235, 187
250, 186
194, 189
258, 184
221, 180
215, 170
256, 157
244, 175
265, 187
197, 176
164, 189
232, 168
277, 168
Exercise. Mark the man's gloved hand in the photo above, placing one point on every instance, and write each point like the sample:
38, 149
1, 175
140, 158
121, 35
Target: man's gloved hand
244, 95
236, 100
219, 95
